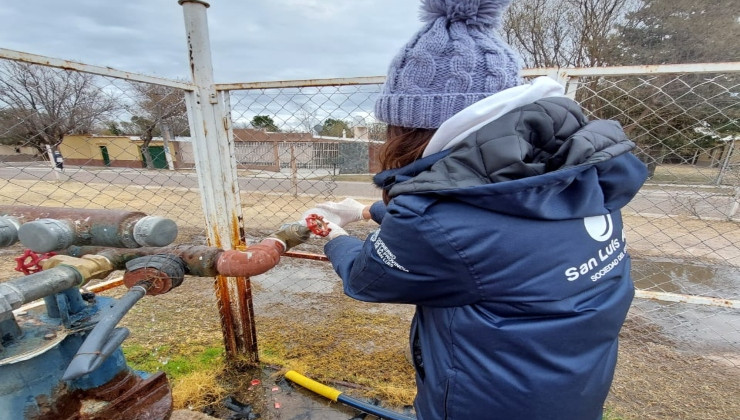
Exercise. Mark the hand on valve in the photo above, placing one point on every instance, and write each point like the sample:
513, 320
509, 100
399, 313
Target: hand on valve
345, 212
334, 230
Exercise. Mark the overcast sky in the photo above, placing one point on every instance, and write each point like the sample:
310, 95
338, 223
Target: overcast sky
255, 40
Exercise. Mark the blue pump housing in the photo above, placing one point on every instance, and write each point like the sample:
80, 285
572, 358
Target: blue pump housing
32, 363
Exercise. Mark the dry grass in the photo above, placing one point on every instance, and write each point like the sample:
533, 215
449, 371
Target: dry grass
355, 343
654, 381
198, 390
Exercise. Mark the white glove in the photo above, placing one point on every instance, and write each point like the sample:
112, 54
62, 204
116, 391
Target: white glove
326, 214
335, 230
345, 211
329, 218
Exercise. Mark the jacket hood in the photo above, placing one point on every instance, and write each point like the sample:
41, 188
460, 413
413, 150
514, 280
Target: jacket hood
542, 160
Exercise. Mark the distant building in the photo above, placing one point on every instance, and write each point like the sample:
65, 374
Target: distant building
273, 151
115, 151
253, 149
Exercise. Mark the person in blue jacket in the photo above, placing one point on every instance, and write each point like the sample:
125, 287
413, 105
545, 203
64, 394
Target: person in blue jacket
500, 221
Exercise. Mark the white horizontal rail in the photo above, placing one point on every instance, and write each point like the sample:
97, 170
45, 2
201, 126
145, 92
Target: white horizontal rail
562, 73
729, 67
351, 81
554, 72
102, 71
697, 300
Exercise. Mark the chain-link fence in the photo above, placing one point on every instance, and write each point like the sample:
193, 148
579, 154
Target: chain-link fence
682, 226
79, 139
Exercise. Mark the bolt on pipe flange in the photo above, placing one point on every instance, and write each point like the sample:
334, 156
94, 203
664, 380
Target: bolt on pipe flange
160, 272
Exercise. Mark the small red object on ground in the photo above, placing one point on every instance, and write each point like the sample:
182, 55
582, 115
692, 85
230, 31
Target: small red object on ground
255, 382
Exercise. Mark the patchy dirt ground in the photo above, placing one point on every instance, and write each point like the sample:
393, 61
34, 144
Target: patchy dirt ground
305, 323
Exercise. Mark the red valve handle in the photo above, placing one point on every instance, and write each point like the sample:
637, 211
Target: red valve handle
30, 262
317, 225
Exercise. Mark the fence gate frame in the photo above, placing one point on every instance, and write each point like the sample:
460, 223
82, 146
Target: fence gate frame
217, 177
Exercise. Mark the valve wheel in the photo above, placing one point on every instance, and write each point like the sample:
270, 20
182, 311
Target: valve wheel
316, 224
30, 262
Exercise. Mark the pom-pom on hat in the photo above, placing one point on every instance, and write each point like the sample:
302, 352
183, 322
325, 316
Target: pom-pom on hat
455, 60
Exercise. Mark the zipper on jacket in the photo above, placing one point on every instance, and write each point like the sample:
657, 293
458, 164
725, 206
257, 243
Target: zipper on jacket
416, 357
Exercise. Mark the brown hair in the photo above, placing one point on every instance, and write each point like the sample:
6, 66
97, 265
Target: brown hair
402, 146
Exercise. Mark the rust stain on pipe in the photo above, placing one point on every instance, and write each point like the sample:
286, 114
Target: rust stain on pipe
255, 260
27, 214
306, 256
247, 339
237, 234
200, 260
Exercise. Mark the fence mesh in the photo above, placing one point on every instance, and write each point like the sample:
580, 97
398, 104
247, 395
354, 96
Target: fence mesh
71, 139
296, 146
295, 141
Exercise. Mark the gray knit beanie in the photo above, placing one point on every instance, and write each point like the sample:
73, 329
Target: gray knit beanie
455, 60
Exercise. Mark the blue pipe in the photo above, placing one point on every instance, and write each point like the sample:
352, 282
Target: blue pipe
104, 338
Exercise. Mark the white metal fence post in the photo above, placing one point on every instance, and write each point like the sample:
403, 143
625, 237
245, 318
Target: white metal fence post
217, 177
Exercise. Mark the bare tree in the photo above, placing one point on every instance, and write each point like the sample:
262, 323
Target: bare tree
41, 105
561, 33
158, 110
307, 119
597, 34
541, 32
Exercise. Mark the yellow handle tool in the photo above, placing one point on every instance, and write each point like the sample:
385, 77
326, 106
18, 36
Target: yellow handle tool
311, 385
337, 396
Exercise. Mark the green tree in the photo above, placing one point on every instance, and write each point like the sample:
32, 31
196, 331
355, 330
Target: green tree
681, 31
12, 131
113, 128
335, 128
670, 115
264, 122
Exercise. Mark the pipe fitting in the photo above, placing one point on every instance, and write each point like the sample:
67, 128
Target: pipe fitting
160, 273
53, 229
154, 231
45, 235
292, 234
89, 266
255, 260
9, 230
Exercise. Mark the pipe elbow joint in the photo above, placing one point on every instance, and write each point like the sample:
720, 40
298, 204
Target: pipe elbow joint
255, 260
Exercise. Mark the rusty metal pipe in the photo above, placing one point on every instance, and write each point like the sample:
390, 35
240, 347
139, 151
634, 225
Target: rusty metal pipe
208, 261
45, 229
199, 260
255, 260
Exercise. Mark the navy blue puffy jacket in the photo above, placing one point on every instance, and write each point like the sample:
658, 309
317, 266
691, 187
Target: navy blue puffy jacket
512, 247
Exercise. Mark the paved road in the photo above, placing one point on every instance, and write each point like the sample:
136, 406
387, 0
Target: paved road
660, 200
272, 183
